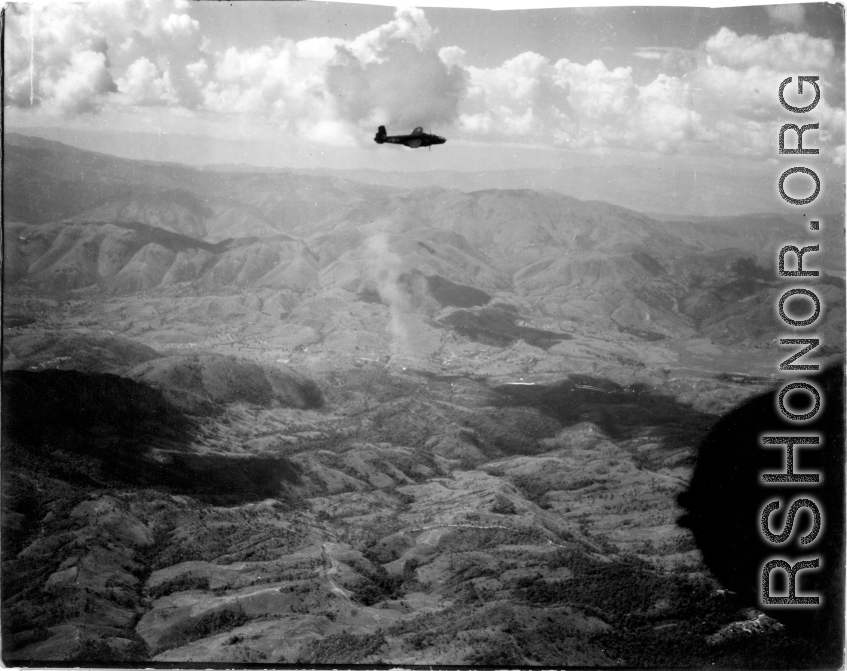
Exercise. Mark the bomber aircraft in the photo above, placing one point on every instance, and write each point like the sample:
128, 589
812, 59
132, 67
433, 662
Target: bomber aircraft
417, 139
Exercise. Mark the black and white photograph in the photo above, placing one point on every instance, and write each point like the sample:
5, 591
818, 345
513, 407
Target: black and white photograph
351, 335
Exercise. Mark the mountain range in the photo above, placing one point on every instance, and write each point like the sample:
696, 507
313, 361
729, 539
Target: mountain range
278, 416
660, 184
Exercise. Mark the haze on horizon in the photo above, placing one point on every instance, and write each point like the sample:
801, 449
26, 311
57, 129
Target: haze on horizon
304, 85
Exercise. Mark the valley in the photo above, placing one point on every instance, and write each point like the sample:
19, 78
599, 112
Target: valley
282, 418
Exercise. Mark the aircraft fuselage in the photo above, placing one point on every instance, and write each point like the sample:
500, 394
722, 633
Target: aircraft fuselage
416, 139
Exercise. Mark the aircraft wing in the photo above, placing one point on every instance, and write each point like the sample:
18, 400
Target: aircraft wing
414, 144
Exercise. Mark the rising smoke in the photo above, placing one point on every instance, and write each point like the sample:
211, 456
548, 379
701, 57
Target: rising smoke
387, 268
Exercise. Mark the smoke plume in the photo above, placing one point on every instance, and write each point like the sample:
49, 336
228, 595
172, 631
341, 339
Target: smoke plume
387, 269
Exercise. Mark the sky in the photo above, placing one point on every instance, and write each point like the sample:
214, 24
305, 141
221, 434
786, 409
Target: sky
305, 84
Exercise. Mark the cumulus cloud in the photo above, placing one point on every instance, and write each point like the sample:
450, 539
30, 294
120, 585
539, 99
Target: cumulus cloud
740, 79
73, 58
617, 112
406, 87
723, 96
729, 49
54, 59
520, 99
409, 25
284, 82
578, 105
77, 57
180, 25
333, 89
144, 84
81, 86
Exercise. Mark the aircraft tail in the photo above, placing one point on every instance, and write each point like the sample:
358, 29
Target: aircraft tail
380, 135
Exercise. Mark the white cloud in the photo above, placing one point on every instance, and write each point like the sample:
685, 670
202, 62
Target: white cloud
279, 81
144, 84
42, 52
452, 57
648, 54
578, 105
775, 52
58, 44
81, 86
723, 98
739, 82
180, 25
328, 131
409, 25
330, 89
152, 52
520, 98
135, 53
406, 87
666, 120
614, 111
597, 94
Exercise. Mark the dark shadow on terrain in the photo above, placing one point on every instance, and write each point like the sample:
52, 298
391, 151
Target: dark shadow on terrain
440, 377
177, 242
97, 429
49, 407
498, 327
741, 378
180, 243
649, 263
832, 280
621, 412
644, 334
455, 295
369, 296
229, 480
17, 320
202, 384
726, 496
747, 277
